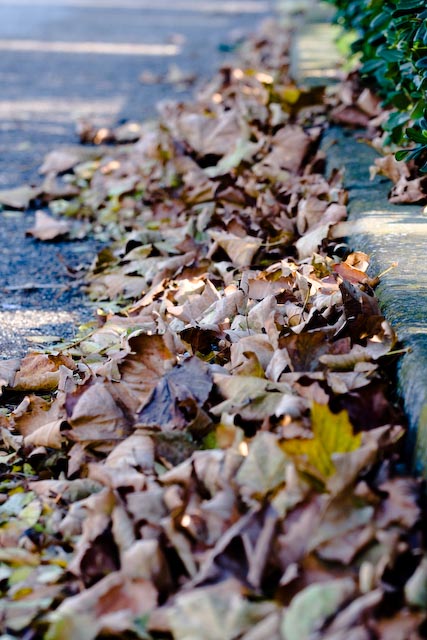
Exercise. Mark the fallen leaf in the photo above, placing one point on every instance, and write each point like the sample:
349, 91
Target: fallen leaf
264, 468
40, 372
48, 228
19, 197
111, 604
141, 369
310, 609
96, 417
332, 433
221, 611
60, 160
175, 402
406, 190
8, 369
240, 250
48, 435
416, 587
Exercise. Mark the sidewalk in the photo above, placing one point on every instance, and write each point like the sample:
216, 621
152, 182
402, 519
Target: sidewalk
387, 232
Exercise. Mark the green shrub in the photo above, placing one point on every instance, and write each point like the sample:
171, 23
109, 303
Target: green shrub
391, 39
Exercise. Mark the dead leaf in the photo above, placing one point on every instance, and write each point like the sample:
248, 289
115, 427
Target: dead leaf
220, 610
389, 167
332, 433
48, 228
96, 417
240, 250
60, 160
175, 402
48, 435
264, 468
19, 197
8, 369
110, 605
410, 191
40, 372
310, 609
148, 360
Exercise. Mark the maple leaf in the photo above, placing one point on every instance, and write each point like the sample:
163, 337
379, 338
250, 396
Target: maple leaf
332, 433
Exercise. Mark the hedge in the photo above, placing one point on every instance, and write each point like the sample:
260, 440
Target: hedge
391, 39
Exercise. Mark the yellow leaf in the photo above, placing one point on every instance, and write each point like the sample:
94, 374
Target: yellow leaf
291, 94
332, 433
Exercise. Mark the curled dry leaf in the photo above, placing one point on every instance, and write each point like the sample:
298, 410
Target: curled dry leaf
221, 610
411, 191
95, 416
109, 606
141, 369
40, 372
177, 399
240, 250
48, 435
391, 168
8, 369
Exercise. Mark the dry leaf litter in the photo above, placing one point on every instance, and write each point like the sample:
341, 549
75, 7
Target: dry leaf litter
218, 456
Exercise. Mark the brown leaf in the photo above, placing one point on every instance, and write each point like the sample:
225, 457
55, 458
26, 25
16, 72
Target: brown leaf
404, 625
96, 417
48, 435
214, 133
19, 197
8, 369
289, 148
369, 103
306, 349
402, 504
389, 167
40, 372
258, 346
355, 613
177, 399
111, 605
240, 250
35, 412
349, 273
140, 371
136, 451
48, 228
351, 116
60, 160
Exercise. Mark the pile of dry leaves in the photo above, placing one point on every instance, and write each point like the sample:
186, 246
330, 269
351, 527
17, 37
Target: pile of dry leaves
218, 457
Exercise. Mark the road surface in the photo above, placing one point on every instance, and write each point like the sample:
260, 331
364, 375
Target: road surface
62, 60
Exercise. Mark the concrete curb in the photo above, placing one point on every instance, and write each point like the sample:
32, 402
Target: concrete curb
387, 232
390, 233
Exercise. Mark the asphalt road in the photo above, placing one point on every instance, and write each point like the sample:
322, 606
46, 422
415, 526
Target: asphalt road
61, 60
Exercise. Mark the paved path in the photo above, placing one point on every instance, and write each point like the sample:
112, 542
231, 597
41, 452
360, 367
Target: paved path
64, 59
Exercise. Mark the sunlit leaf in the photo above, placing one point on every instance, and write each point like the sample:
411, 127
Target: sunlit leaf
332, 433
